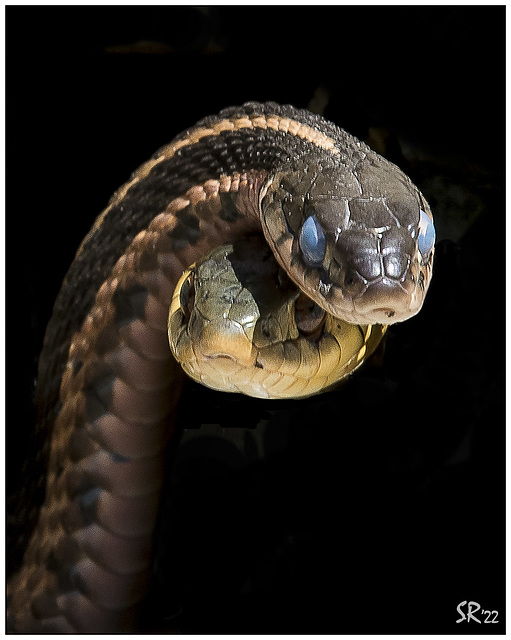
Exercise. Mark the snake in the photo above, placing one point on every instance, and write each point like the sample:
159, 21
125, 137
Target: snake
238, 324
349, 241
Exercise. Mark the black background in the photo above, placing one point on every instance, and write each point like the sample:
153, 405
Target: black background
374, 509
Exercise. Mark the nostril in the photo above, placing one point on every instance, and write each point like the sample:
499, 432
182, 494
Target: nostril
350, 278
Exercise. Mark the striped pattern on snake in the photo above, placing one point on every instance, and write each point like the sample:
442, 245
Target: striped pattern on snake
107, 384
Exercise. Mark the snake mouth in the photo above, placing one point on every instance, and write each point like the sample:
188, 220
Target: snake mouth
388, 300
382, 315
226, 358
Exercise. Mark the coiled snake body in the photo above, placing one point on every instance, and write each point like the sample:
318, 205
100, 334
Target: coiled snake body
349, 229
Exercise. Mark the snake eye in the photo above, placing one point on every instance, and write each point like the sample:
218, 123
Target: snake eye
187, 296
312, 241
427, 235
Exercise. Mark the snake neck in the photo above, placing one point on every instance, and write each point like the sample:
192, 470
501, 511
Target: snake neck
117, 399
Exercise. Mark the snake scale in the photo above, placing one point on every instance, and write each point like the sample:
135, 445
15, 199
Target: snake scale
348, 227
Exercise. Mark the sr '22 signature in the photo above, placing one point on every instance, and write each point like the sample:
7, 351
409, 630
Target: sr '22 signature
472, 609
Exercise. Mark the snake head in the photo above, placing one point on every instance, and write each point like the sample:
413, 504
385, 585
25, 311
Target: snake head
237, 323
357, 237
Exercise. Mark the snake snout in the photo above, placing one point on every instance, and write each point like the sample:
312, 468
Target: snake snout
377, 273
386, 301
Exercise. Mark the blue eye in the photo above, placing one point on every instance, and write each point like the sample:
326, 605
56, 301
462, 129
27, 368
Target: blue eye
312, 241
427, 235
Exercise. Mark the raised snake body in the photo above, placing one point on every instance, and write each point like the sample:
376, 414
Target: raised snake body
348, 227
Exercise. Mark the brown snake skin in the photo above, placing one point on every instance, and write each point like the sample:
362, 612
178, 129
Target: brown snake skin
108, 387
